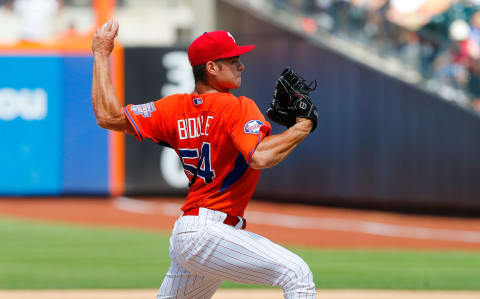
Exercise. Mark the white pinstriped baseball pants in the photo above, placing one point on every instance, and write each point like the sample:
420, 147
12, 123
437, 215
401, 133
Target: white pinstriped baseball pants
204, 252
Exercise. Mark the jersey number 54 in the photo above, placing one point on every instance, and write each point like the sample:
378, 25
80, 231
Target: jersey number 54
203, 168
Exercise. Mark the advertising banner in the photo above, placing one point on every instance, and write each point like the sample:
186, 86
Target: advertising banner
50, 142
31, 107
86, 160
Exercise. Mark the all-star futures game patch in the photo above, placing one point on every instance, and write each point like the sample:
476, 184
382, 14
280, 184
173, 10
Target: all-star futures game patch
253, 127
144, 109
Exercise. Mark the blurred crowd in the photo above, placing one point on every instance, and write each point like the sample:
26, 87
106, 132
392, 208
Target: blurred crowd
71, 23
441, 38
49, 21
35, 17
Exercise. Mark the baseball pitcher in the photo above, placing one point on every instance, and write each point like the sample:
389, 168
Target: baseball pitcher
223, 142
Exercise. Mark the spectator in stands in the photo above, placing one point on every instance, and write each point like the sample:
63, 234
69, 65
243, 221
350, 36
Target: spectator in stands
411, 48
278, 3
339, 9
418, 31
306, 6
475, 28
458, 10
35, 18
452, 66
474, 53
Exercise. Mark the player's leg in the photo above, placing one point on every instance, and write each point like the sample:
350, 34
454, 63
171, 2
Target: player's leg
180, 283
226, 253
302, 285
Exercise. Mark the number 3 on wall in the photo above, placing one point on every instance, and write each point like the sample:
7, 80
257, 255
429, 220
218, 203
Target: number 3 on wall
204, 170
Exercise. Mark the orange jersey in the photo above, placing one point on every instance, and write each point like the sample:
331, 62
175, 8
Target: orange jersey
214, 135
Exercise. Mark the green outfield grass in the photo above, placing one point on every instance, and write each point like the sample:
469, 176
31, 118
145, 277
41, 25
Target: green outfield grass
39, 255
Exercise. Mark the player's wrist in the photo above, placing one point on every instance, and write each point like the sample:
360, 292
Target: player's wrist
304, 123
100, 54
299, 119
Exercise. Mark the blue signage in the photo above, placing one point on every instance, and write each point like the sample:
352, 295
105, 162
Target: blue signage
50, 143
31, 145
85, 168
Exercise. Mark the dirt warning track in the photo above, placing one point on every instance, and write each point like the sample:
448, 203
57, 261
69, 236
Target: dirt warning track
286, 224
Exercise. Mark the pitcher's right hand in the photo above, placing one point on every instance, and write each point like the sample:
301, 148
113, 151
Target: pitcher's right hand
104, 38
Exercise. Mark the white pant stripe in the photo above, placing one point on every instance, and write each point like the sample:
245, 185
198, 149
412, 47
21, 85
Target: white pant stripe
247, 259
204, 251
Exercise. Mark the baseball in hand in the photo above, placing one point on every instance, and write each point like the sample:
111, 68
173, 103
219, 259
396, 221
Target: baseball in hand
108, 26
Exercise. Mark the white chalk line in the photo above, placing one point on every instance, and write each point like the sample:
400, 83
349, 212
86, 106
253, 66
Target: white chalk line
135, 206
319, 223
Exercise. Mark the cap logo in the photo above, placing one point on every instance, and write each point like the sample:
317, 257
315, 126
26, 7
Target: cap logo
229, 34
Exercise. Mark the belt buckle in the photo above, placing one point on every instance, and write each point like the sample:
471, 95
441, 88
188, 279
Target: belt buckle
241, 220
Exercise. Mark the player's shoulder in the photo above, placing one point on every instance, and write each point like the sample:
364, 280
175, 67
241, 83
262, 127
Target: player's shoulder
217, 101
174, 97
246, 100
171, 100
231, 99
236, 106
226, 103
153, 107
247, 104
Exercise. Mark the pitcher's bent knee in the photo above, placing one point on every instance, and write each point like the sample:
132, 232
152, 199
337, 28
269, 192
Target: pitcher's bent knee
299, 283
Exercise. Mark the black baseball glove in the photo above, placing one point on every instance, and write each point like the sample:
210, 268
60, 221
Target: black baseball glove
291, 99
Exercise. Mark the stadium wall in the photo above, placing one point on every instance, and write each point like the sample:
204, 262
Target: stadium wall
380, 142
150, 74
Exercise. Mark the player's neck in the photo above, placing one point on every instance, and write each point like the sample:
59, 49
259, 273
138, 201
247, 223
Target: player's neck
202, 88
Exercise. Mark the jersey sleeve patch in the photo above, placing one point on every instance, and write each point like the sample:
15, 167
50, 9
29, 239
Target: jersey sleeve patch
144, 109
253, 127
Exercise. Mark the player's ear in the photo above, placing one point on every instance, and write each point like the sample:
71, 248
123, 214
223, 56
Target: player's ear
211, 67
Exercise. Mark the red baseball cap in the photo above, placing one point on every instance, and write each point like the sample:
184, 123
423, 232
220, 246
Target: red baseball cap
214, 45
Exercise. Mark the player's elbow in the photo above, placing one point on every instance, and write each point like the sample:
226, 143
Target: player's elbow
109, 120
261, 160
120, 124
106, 123
103, 121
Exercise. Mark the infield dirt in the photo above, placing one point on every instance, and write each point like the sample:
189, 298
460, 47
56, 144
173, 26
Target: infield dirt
239, 294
